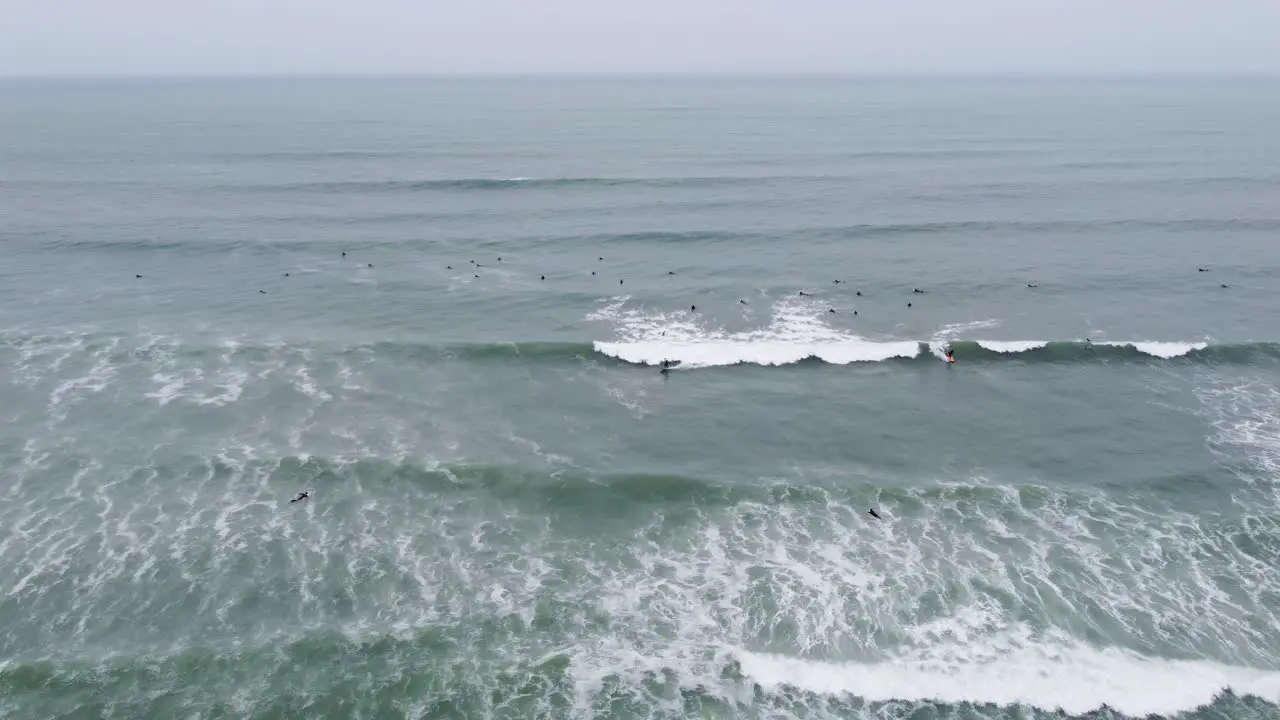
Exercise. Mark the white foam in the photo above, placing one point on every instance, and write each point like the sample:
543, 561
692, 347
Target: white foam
1012, 346
1167, 349
1075, 678
798, 331
731, 352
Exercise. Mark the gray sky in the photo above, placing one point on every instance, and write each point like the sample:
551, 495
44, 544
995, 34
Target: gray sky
182, 37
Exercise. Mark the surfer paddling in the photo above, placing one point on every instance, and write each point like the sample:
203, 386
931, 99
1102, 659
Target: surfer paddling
301, 496
872, 512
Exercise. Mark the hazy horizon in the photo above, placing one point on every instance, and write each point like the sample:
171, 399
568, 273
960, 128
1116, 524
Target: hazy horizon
239, 38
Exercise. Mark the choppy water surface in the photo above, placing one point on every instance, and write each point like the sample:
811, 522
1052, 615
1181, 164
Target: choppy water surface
514, 514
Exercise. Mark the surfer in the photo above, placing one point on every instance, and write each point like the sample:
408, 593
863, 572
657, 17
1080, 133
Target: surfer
671, 272
951, 355
693, 308
1032, 285
859, 293
301, 496
742, 302
875, 514
831, 310
1203, 269
136, 275
666, 367
917, 291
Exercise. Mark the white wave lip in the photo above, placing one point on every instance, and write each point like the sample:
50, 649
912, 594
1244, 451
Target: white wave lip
1012, 347
712, 353
1164, 350
1075, 679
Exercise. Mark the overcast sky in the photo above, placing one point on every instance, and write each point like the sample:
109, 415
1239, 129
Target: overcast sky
237, 37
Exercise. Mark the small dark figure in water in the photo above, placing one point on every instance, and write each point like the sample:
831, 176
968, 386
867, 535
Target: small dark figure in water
499, 259
137, 276
264, 292
859, 293
1225, 286
370, 264
344, 253
448, 267
831, 310
286, 274
671, 272
1030, 285
855, 312
600, 259
693, 308
803, 293
917, 291
951, 355
544, 277
875, 514
593, 272
619, 282
908, 304
476, 277
1203, 269
742, 302
301, 496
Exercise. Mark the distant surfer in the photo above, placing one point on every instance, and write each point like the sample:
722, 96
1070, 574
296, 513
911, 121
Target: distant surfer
1203, 269
831, 310
875, 514
917, 291
301, 496
693, 308
742, 302
859, 293
951, 355
1032, 285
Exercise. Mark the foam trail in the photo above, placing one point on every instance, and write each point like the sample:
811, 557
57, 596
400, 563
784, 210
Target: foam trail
1076, 679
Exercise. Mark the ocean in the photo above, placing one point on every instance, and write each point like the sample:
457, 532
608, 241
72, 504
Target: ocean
441, 306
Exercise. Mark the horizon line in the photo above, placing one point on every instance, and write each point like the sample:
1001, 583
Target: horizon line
640, 75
